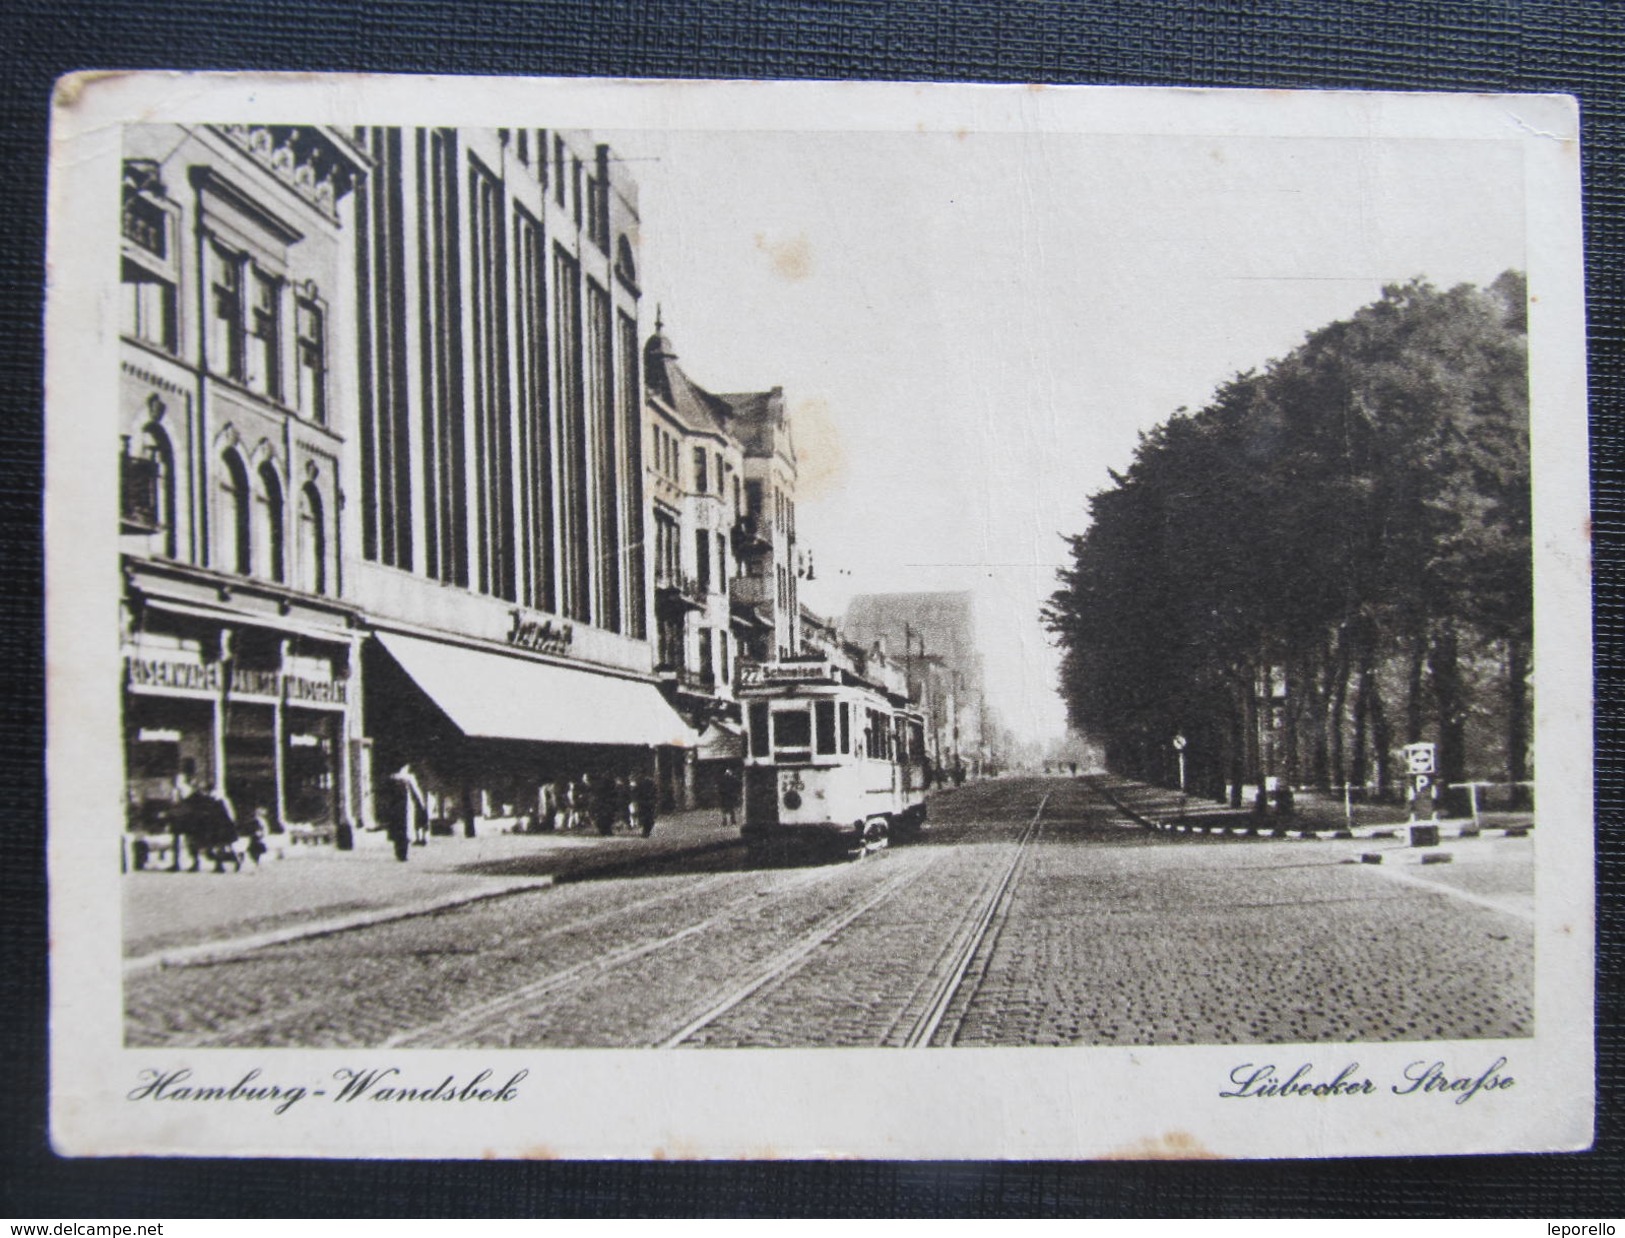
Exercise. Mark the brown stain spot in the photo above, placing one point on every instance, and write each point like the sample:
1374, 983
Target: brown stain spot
791, 257
541, 1152
820, 457
962, 134
1037, 87
1173, 1146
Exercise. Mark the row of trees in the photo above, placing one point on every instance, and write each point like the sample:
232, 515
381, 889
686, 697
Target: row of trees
1330, 560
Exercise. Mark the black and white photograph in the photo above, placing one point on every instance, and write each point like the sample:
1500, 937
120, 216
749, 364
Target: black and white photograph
1089, 582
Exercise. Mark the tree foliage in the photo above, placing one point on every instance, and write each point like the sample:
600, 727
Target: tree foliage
1330, 559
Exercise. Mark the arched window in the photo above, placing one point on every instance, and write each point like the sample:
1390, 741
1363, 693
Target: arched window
236, 546
271, 525
312, 540
163, 485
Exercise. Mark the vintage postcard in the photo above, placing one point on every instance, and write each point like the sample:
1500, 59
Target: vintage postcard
719, 619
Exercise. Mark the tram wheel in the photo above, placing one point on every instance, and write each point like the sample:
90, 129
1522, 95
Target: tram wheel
876, 834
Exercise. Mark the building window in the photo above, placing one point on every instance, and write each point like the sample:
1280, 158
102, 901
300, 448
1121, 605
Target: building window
225, 312
381, 312
575, 532
264, 370
724, 662
701, 481
149, 274
149, 307
236, 542
310, 329
147, 488
629, 387
312, 540
271, 524
702, 559
535, 428
493, 436
599, 370
722, 564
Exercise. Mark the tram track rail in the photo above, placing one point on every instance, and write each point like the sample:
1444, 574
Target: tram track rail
456, 1029
293, 1013
954, 965
941, 986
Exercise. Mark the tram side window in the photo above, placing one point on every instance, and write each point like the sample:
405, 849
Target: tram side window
758, 729
846, 727
824, 724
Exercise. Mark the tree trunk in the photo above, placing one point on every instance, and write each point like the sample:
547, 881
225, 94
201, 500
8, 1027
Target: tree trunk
1340, 695
1382, 740
1413, 691
1238, 750
1518, 719
1444, 667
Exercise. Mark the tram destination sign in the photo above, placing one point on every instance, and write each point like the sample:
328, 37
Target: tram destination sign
754, 674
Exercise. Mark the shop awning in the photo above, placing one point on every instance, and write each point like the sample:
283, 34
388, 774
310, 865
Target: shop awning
493, 696
721, 742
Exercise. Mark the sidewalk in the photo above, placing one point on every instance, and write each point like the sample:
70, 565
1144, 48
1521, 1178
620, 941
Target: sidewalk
1314, 814
309, 891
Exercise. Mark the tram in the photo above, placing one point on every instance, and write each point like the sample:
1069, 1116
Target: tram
831, 758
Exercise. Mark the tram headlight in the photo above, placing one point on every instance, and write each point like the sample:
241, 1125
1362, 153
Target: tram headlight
792, 800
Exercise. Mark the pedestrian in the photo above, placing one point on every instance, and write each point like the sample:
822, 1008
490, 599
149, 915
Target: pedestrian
398, 803
580, 801
644, 795
625, 802
547, 807
182, 813
728, 793
258, 826
214, 829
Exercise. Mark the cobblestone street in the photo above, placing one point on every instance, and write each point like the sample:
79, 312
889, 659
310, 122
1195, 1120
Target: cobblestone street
1032, 912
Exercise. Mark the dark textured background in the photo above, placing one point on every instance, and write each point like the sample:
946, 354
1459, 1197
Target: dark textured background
1576, 48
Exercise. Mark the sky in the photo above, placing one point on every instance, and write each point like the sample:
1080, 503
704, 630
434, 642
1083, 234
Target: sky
971, 330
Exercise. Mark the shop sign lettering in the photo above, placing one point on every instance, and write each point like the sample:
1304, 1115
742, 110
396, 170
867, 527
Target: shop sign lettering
530, 631
146, 671
246, 681
314, 691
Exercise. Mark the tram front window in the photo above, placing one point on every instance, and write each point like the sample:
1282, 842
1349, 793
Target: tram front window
792, 735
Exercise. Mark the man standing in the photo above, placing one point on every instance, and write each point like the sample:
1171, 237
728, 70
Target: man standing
728, 792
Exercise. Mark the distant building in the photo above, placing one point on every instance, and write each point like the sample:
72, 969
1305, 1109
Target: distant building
934, 636
767, 589
695, 471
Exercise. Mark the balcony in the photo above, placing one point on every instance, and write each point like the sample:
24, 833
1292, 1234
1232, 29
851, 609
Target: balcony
751, 591
701, 682
752, 535
675, 591
140, 501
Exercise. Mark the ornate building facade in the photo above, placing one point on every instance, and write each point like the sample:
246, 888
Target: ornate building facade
240, 640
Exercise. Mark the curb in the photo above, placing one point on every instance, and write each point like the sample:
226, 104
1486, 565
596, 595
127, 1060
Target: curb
1305, 833
179, 956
